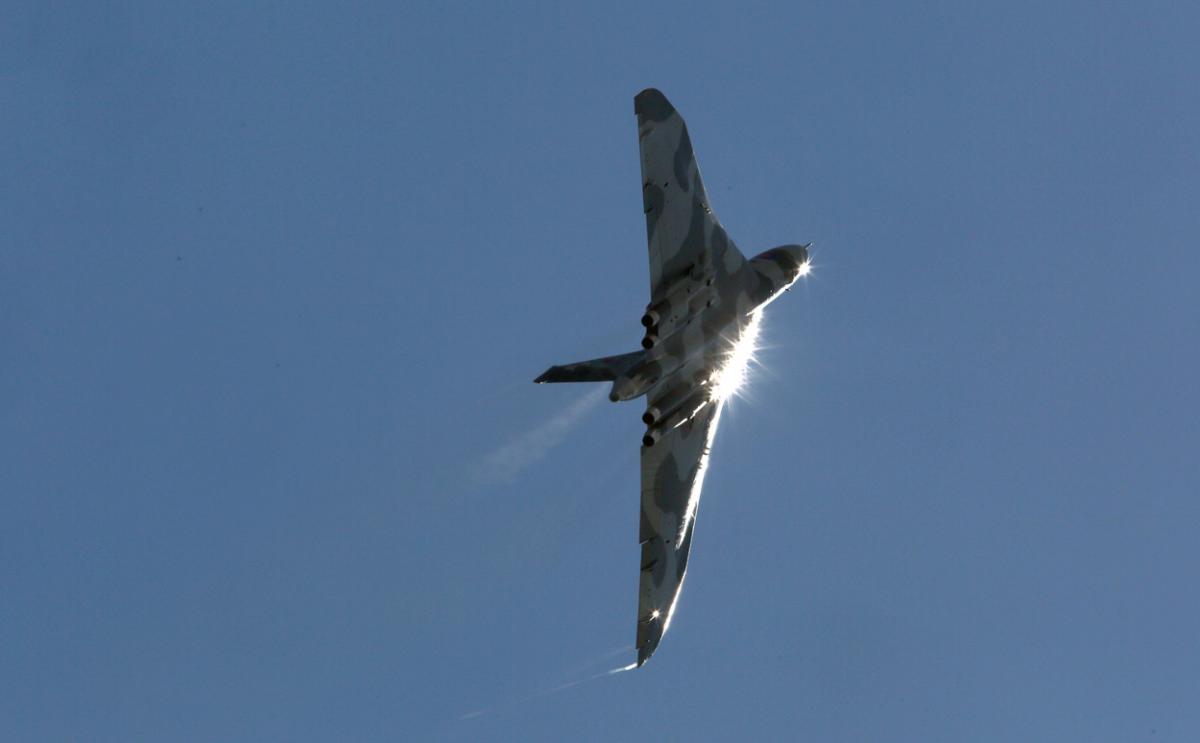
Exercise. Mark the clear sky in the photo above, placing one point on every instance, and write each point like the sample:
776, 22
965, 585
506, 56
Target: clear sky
275, 280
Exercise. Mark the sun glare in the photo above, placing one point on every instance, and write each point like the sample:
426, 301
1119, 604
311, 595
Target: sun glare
732, 375
674, 603
726, 383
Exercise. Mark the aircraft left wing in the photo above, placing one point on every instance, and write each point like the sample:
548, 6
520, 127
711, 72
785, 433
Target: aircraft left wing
672, 476
683, 233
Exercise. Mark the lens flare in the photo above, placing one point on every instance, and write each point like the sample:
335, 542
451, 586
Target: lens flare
726, 383
674, 603
732, 375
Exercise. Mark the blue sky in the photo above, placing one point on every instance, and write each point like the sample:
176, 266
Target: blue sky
275, 278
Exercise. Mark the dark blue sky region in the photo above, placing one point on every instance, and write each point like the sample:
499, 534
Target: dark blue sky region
275, 279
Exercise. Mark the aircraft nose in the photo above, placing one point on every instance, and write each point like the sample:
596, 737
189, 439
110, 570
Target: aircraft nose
799, 254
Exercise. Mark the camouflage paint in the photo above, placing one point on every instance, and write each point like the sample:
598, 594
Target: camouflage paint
703, 293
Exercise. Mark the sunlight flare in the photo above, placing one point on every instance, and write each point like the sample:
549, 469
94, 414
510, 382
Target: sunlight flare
732, 376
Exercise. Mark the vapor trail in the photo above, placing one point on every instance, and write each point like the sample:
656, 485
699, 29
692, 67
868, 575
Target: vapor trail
546, 692
503, 465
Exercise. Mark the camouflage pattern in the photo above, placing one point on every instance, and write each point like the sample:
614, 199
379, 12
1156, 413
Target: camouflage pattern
703, 295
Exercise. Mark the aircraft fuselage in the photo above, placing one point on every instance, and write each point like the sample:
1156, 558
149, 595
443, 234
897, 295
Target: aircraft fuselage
690, 330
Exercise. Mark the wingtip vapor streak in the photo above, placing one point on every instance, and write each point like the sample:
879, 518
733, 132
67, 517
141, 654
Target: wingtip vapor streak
705, 299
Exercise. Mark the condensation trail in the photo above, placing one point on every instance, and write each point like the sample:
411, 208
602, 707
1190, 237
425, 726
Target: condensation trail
503, 465
553, 689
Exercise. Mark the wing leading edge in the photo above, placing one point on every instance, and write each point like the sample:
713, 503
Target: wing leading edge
672, 477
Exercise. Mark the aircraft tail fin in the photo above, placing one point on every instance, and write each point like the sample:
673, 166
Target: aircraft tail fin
604, 369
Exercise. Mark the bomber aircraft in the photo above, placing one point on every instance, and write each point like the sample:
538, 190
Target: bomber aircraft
706, 300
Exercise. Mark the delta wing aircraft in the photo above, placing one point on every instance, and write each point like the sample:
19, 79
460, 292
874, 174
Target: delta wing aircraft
701, 321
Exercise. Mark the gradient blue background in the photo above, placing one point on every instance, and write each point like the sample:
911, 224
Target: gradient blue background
275, 278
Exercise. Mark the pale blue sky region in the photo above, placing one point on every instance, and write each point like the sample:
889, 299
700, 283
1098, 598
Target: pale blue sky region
275, 279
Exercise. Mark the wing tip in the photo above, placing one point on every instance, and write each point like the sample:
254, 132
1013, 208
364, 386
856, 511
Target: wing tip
650, 633
652, 104
644, 653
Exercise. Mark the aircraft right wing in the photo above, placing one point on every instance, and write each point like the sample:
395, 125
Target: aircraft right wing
672, 476
681, 228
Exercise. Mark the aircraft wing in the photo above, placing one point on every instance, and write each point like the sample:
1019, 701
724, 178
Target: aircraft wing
680, 226
672, 476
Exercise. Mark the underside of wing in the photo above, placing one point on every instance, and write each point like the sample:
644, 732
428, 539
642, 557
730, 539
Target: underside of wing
683, 233
672, 477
